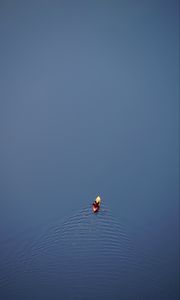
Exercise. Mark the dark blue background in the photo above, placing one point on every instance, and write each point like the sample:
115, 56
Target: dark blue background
89, 105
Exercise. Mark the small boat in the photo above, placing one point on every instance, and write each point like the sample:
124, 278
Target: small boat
96, 204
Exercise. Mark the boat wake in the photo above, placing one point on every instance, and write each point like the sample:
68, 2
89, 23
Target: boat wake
88, 256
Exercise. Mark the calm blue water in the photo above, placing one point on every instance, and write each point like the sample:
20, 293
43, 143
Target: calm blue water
89, 104
87, 256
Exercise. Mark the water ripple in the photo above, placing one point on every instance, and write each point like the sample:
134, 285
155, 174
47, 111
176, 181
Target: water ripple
88, 256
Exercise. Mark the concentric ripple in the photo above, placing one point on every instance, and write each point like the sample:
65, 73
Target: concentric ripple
88, 256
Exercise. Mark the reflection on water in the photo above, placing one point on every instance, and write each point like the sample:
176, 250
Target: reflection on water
88, 256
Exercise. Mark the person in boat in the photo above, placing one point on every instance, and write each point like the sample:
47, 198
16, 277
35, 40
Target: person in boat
96, 204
